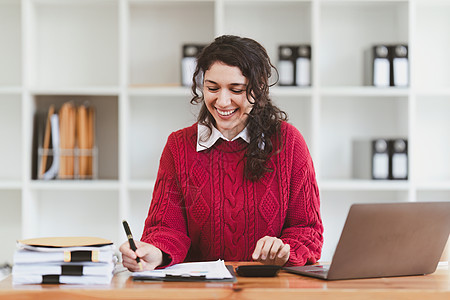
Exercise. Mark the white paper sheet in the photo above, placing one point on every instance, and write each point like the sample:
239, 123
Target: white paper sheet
210, 269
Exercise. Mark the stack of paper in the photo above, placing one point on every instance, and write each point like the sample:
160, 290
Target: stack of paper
71, 260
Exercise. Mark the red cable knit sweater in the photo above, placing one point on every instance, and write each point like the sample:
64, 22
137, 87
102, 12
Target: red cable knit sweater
204, 209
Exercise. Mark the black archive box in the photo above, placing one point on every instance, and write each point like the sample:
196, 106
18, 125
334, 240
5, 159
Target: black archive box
380, 159
189, 62
378, 66
398, 159
294, 65
387, 65
399, 65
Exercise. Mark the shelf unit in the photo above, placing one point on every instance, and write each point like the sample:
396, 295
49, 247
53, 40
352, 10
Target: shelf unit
124, 57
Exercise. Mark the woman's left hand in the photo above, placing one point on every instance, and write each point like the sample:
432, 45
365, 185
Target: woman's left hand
271, 251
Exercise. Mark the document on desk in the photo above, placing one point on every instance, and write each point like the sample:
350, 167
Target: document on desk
193, 271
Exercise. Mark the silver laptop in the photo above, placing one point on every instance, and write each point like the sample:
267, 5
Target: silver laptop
387, 239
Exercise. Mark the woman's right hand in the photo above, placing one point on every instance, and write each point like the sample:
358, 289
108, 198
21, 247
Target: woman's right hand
151, 256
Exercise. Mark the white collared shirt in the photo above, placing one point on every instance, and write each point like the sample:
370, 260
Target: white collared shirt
203, 130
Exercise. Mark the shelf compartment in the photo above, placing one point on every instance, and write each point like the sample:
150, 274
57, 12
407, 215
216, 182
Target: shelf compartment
345, 119
157, 32
106, 128
271, 23
152, 120
11, 229
348, 29
11, 133
298, 109
10, 39
75, 43
432, 45
431, 158
76, 213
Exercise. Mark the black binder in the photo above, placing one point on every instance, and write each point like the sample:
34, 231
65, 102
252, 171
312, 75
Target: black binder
398, 159
399, 65
379, 66
380, 159
189, 62
286, 64
303, 66
294, 65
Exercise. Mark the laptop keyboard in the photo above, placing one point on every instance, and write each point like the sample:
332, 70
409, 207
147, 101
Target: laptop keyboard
319, 269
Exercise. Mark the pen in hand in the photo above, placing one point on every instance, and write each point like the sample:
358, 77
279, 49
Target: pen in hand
131, 241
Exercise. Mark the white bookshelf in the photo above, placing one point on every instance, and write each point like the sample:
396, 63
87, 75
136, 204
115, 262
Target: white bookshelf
123, 56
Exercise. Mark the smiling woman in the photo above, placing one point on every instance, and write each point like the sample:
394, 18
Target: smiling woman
226, 98
248, 66
239, 184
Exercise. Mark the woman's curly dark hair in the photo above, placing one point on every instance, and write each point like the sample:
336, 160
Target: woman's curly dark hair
265, 118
